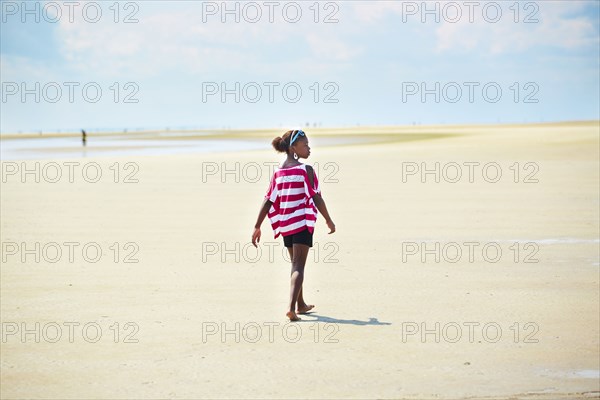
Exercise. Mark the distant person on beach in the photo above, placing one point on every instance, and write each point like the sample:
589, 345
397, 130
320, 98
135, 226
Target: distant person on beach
291, 203
83, 137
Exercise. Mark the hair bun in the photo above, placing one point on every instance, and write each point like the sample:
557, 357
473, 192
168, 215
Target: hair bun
279, 144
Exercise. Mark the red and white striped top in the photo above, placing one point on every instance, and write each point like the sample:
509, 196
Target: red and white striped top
293, 208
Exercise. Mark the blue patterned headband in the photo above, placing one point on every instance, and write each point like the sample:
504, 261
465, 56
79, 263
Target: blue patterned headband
296, 135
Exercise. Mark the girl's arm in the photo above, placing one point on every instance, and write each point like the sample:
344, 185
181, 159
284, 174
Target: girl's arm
264, 210
320, 204
318, 200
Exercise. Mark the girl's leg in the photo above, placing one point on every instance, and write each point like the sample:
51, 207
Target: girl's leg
301, 304
299, 255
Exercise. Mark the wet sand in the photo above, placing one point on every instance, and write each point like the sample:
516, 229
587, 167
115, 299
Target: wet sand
202, 315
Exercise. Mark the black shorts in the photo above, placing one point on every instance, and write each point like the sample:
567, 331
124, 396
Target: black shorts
302, 237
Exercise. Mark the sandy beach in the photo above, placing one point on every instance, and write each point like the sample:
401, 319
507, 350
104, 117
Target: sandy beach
465, 265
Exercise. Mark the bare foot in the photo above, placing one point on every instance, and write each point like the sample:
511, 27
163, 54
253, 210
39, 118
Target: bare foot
305, 308
292, 316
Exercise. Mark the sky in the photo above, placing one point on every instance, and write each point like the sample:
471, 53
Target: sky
105, 65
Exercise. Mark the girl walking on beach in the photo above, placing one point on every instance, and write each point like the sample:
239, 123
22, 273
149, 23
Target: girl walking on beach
291, 203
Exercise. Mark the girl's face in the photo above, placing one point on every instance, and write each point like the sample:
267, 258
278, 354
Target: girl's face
301, 147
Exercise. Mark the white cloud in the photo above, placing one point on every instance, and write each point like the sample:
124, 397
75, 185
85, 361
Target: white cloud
332, 48
20, 69
556, 28
174, 38
371, 12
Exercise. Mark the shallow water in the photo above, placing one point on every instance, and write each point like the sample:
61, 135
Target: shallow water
573, 374
71, 147
178, 142
145, 144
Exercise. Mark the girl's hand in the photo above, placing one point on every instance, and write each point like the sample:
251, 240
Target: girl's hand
331, 226
256, 236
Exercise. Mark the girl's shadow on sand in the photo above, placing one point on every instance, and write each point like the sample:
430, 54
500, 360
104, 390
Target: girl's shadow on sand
314, 317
